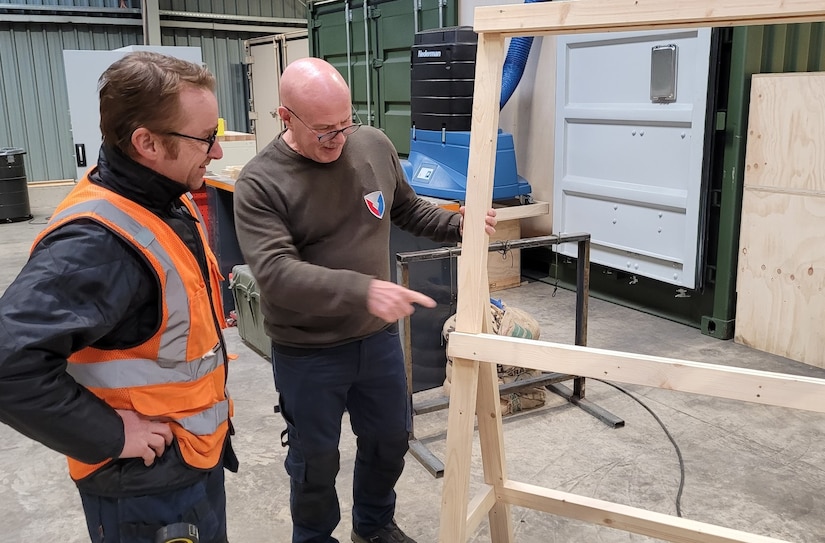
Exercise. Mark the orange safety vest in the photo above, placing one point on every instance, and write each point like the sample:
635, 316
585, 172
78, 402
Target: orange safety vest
178, 374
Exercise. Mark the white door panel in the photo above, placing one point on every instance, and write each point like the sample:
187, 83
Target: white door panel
270, 55
638, 154
612, 223
265, 77
629, 170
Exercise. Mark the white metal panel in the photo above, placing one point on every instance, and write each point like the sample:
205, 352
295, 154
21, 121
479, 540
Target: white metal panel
629, 170
264, 80
235, 153
269, 56
83, 69
297, 46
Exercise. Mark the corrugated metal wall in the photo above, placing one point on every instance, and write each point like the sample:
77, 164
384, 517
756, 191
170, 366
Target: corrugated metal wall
258, 8
791, 48
290, 9
78, 3
34, 109
223, 53
752, 50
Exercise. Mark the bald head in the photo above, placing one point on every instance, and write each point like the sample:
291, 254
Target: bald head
310, 82
315, 100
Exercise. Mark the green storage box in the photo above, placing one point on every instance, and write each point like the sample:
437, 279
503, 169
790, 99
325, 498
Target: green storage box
248, 309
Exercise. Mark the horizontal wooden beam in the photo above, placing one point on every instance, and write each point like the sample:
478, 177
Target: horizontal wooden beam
479, 507
623, 517
577, 16
721, 381
522, 212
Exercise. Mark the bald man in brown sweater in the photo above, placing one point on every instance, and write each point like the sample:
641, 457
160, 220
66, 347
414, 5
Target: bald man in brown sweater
313, 216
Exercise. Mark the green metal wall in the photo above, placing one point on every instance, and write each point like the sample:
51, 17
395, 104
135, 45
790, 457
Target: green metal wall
34, 104
256, 8
383, 73
34, 109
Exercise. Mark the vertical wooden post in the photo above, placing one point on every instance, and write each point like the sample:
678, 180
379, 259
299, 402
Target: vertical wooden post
473, 316
491, 435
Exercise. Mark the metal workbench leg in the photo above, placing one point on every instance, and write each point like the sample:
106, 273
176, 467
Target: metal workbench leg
419, 451
550, 381
577, 395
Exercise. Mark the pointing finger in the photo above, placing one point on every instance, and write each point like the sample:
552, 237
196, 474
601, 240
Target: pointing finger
421, 299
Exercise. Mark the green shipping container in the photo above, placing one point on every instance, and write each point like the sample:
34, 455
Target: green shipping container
750, 50
369, 43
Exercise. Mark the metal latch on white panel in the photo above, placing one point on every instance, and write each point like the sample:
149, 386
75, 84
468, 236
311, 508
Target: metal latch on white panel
663, 68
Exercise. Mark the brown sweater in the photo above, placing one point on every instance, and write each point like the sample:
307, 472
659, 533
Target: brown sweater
312, 242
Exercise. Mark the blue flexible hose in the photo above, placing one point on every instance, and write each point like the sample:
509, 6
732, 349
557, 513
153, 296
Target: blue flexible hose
514, 63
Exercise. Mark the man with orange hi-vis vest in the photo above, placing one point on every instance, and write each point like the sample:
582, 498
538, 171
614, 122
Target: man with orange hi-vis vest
111, 348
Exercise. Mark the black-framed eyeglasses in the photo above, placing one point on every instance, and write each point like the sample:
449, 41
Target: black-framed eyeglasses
329, 136
210, 140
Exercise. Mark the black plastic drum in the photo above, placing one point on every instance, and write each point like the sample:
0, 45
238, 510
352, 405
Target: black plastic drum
14, 190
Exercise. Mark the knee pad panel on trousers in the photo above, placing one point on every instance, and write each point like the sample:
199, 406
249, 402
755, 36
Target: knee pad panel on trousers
384, 450
322, 469
318, 469
383, 458
313, 499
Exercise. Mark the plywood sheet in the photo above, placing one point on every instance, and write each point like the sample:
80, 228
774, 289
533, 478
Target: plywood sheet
780, 304
786, 132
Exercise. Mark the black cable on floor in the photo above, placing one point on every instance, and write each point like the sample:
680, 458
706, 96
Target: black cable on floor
667, 433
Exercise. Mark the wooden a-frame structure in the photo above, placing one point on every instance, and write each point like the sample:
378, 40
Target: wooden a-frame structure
475, 353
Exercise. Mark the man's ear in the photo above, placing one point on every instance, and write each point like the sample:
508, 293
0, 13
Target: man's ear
146, 144
284, 114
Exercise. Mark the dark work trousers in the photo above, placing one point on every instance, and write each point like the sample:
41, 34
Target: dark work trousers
316, 385
137, 519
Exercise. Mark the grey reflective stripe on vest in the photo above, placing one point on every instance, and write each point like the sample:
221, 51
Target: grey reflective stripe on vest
207, 421
138, 372
171, 350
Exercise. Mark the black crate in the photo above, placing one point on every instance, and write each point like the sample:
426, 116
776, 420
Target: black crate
449, 35
442, 78
442, 106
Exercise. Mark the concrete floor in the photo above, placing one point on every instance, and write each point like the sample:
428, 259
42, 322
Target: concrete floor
749, 467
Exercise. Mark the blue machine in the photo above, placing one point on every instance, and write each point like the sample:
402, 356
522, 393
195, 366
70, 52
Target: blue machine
437, 165
442, 79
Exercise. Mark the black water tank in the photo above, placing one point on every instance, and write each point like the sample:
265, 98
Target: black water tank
443, 66
14, 191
